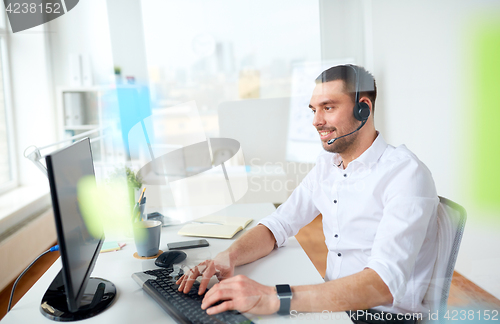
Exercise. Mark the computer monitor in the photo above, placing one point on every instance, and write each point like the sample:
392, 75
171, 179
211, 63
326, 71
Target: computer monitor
73, 295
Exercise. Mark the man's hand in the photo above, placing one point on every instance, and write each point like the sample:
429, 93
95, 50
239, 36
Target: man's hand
221, 266
242, 294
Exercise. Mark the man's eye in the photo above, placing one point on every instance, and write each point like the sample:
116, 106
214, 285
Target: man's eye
328, 108
313, 111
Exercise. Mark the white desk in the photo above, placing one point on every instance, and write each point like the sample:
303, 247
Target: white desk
289, 265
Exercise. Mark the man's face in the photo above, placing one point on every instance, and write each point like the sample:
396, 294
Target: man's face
332, 108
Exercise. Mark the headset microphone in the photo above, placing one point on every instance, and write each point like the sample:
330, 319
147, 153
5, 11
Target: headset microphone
330, 142
361, 110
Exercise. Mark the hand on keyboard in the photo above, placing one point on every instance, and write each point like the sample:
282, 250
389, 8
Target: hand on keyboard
242, 294
183, 308
220, 266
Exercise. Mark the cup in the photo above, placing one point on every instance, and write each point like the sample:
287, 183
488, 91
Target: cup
147, 237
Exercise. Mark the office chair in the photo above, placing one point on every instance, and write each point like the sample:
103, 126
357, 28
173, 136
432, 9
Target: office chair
451, 222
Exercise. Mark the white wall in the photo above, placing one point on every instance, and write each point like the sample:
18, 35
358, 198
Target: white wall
418, 53
127, 38
342, 26
83, 30
414, 49
415, 59
420, 62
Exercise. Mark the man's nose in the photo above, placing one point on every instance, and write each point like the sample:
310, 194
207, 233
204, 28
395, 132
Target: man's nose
319, 118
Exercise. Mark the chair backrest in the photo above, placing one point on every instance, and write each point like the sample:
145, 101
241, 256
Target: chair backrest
451, 222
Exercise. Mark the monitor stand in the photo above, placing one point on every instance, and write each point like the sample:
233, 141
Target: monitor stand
98, 295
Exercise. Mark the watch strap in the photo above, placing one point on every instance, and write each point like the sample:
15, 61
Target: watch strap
284, 293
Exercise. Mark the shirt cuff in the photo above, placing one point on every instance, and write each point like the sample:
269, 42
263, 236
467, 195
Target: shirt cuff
274, 226
394, 281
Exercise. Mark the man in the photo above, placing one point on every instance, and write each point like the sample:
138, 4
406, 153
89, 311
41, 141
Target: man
379, 207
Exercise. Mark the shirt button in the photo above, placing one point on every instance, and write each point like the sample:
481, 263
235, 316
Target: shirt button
345, 175
336, 235
335, 201
340, 254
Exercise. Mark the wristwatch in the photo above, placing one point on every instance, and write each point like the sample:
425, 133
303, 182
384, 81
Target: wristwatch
285, 296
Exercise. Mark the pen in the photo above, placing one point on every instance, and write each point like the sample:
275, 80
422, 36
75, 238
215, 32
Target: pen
142, 194
136, 213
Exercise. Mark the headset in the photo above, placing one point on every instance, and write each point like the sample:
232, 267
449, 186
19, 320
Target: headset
361, 110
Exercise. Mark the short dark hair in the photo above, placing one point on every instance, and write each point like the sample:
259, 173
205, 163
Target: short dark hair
346, 73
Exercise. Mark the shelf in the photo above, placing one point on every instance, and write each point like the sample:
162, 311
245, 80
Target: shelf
80, 89
81, 127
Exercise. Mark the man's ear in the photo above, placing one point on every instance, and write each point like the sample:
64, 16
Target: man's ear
368, 102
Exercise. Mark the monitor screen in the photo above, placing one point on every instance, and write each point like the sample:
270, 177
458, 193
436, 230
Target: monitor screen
79, 249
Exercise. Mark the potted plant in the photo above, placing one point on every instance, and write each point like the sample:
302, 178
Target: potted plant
133, 181
118, 74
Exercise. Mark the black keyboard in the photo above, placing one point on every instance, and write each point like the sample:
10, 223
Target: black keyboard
184, 308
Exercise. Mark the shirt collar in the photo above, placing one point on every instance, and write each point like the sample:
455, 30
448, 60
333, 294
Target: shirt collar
374, 152
371, 155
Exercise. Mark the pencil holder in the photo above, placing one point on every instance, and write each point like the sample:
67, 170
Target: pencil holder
139, 212
142, 212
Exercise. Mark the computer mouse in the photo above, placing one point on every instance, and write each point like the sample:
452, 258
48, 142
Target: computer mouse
169, 258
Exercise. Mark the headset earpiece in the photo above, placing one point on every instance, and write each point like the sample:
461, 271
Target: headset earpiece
361, 111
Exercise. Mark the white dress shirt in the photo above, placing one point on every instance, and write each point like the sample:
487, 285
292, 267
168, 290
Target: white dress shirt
379, 213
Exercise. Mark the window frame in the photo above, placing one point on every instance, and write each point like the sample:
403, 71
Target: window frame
5, 33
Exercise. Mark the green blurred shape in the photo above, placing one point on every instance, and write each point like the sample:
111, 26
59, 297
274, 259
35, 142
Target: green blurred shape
105, 207
140, 233
486, 149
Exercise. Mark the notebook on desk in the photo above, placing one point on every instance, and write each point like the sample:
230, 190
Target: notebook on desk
215, 226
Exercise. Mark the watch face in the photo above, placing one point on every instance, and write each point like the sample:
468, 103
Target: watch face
283, 290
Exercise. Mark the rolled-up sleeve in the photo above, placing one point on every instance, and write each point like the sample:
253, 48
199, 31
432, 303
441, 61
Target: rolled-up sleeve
296, 212
410, 205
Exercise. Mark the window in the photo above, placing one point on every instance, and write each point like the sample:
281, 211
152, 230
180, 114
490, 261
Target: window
8, 178
226, 50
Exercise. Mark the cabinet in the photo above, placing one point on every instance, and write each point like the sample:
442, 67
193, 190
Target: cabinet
109, 111
79, 110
